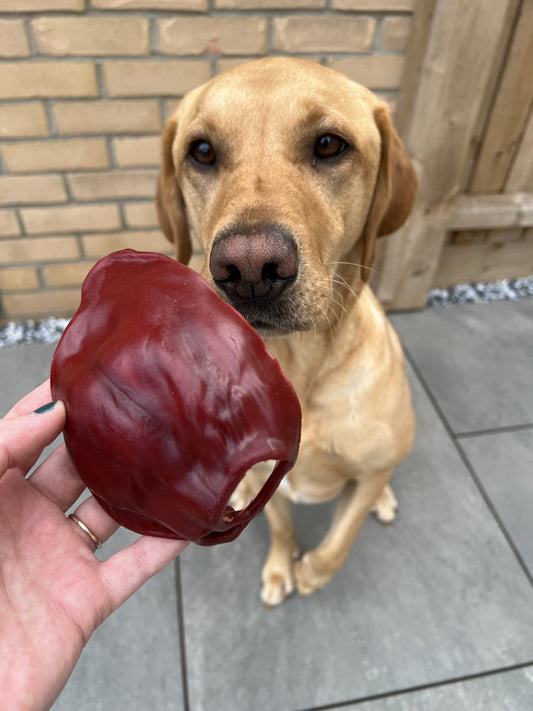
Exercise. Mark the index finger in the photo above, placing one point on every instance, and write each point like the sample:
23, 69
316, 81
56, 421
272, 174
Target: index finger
40, 396
23, 438
132, 566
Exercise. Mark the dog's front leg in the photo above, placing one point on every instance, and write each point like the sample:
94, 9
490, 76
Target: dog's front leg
278, 576
318, 566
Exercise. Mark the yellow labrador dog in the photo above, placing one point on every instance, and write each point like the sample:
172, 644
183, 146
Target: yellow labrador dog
284, 173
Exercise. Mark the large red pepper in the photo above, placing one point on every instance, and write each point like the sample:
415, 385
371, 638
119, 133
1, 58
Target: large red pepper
171, 397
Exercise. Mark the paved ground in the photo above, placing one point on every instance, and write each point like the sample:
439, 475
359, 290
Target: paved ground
434, 613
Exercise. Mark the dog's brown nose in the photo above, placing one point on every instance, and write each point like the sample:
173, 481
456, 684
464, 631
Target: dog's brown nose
253, 267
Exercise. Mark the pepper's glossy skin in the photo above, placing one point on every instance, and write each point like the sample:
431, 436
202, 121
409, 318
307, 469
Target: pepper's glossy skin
171, 397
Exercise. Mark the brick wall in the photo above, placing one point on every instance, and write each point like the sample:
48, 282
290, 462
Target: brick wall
85, 88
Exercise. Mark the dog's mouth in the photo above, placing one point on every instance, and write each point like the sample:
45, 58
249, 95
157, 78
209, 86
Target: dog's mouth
267, 330
274, 319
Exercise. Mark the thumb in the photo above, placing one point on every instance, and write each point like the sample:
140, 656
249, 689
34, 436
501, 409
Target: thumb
22, 439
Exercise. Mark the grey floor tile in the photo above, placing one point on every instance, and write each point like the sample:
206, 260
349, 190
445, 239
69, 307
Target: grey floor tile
436, 596
22, 368
132, 662
504, 464
508, 691
477, 360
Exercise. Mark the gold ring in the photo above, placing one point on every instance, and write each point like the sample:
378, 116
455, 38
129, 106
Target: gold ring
97, 542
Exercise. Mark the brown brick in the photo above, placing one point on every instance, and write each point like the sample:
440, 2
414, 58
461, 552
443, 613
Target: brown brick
78, 117
395, 33
376, 72
146, 240
13, 40
9, 225
62, 36
63, 302
212, 35
175, 5
270, 4
18, 279
321, 33
62, 154
143, 151
31, 189
41, 5
71, 218
224, 65
115, 184
29, 80
374, 5
67, 274
38, 249
171, 106
23, 120
154, 78
142, 214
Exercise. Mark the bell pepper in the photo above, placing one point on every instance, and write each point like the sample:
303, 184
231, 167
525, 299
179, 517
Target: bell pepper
171, 397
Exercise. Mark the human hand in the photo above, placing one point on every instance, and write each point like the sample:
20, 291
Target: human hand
54, 592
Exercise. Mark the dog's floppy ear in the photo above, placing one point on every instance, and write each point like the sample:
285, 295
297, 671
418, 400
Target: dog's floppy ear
169, 201
394, 192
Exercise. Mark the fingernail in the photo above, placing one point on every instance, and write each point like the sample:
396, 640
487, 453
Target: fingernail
45, 408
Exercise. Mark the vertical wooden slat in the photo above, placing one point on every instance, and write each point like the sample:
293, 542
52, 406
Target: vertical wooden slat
414, 61
464, 54
389, 251
510, 112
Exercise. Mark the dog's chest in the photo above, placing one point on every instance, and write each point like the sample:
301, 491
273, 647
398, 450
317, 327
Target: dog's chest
296, 496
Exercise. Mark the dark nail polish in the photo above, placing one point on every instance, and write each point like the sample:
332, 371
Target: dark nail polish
45, 408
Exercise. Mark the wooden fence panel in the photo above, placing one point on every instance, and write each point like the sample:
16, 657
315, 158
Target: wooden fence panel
468, 128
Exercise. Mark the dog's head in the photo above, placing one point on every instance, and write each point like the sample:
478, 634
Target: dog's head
284, 173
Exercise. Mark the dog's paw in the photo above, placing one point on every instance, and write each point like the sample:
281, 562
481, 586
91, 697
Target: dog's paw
310, 574
275, 589
385, 507
278, 577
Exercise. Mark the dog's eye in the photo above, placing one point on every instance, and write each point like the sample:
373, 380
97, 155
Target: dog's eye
329, 146
202, 152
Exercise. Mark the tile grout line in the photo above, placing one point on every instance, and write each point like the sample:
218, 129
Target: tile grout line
494, 431
473, 475
181, 629
422, 687
493, 511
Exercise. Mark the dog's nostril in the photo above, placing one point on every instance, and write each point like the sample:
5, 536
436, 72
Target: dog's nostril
233, 275
269, 273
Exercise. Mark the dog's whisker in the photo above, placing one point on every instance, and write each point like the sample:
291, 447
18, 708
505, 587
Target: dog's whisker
336, 295
327, 319
339, 303
343, 310
337, 279
355, 264
341, 278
